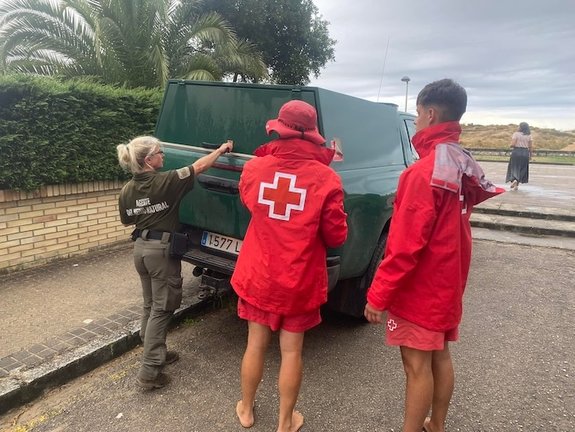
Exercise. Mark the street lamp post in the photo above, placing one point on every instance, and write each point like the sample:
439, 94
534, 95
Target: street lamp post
406, 80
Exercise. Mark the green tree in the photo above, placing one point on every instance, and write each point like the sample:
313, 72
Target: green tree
134, 43
292, 36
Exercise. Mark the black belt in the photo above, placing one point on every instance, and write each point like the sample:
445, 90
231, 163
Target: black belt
151, 234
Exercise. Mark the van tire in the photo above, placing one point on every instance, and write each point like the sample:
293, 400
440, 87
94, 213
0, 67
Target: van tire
369, 274
350, 295
374, 263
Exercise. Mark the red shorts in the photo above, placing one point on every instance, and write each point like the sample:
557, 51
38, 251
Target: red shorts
292, 323
400, 332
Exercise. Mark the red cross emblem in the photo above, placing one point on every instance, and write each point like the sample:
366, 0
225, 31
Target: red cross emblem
282, 196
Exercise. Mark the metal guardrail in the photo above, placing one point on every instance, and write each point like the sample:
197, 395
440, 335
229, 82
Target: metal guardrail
507, 152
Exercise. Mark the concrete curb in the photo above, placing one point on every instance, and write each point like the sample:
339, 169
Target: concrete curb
23, 385
517, 225
27, 385
520, 219
547, 213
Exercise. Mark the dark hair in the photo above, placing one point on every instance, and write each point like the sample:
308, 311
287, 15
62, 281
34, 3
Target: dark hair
524, 128
447, 95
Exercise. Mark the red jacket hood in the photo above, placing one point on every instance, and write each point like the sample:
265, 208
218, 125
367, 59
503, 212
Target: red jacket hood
295, 148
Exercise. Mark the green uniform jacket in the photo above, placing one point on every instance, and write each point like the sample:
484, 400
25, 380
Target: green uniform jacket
151, 200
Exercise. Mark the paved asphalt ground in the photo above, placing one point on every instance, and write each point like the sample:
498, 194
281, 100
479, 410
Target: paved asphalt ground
514, 366
518, 347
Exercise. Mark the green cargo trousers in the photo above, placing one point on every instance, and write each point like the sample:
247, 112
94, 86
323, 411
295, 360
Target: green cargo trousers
161, 278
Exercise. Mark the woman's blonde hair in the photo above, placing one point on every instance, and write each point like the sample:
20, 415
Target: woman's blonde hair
131, 156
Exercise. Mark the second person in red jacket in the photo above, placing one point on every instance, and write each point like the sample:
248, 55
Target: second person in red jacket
421, 280
296, 205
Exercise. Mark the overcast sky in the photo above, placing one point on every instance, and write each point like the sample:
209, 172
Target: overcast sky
516, 58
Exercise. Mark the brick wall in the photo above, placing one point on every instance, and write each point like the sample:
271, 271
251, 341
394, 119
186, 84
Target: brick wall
58, 222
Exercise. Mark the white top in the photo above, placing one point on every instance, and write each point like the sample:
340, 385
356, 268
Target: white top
520, 140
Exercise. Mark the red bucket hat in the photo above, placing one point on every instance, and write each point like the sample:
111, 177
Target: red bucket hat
296, 119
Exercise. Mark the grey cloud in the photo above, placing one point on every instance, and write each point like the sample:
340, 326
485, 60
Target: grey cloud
514, 58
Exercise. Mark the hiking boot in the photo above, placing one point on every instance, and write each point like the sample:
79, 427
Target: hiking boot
160, 381
172, 357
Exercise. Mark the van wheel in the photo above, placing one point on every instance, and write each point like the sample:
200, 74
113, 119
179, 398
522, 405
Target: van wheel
350, 295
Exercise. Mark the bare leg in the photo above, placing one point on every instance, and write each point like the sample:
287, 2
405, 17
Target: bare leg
443, 379
291, 345
252, 370
419, 388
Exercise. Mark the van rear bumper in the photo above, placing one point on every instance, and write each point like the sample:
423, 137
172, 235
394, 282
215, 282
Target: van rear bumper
226, 265
216, 263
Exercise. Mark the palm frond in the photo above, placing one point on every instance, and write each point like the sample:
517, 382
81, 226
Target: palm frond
201, 75
243, 59
210, 29
37, 26
44, 62
134, 43
200, 67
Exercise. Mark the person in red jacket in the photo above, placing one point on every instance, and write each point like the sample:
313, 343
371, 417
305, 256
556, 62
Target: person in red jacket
421, 279
296, 205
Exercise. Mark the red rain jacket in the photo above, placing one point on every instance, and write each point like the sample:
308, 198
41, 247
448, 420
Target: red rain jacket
428, 252
296, 203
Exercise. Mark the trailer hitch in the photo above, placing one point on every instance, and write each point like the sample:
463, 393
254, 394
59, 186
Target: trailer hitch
214, 286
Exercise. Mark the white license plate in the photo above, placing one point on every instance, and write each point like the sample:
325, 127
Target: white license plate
221, 243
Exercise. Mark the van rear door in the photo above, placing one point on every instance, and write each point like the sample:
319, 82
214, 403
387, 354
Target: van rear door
198, 116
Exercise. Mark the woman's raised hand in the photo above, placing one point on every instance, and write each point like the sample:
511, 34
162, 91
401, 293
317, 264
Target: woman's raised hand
226, 147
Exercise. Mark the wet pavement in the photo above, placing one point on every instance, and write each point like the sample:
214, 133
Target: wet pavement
549, 186
542, 211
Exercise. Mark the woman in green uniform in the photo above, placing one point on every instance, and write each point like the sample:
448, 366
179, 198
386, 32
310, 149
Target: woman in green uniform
151, 202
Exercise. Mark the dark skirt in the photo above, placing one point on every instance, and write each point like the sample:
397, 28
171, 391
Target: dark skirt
518, 168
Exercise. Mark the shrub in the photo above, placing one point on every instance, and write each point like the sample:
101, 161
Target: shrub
54, 131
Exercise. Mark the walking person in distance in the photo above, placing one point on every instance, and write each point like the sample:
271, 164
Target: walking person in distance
522, 145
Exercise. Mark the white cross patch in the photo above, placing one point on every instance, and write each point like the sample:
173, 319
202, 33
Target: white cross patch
282, 196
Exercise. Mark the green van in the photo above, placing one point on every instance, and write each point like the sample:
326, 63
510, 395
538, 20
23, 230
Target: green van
375, 139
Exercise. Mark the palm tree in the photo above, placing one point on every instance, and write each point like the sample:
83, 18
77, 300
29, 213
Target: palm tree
129, 42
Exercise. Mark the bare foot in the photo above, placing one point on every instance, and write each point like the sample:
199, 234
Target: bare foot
295, 424
427, 426
296, 421
246, 417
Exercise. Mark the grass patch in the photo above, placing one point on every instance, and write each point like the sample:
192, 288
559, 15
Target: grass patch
557, 160
188, 322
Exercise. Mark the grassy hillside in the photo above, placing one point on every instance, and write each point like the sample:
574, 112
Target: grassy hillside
499, 136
